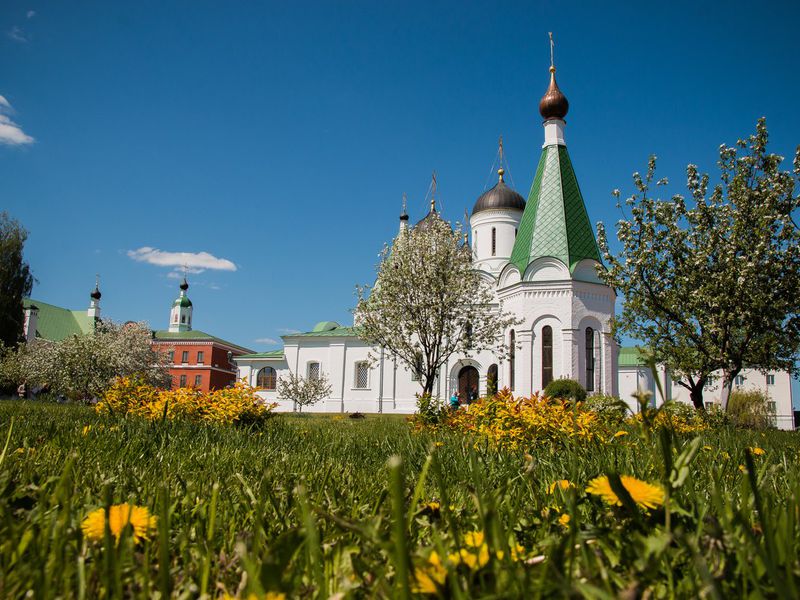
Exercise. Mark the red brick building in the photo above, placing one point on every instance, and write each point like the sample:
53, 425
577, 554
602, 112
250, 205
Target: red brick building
197, 359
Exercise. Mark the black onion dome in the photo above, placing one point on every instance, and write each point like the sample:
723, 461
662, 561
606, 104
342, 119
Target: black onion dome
554, 104
500, 197
95, 295
184, 285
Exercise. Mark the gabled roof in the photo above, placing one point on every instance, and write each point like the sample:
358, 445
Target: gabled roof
555, 222
55, 323
337, 331
195, 335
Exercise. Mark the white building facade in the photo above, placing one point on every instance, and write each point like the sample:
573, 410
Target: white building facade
540, 257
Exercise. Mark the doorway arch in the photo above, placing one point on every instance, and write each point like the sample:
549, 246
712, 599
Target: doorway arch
468, 379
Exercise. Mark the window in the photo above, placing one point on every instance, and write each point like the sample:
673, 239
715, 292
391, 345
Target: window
491, 380
512, 355
771, 407
267, 378
475, 241
739, 380
183, 318
416, 374
171, 356
198, 381
185, 356
494, 241
770, 379
515, 232
589, 359
547, 355
361, 375
200, 358
313, 370
183, 381
175, 319
468, 335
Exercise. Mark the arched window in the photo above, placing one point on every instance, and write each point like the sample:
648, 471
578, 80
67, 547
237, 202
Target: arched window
475, 242
267, 379
313, 370
547, 355
494, 241
589, 359
491, 380
512, 351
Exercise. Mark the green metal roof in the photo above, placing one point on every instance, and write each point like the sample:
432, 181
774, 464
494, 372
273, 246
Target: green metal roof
55, 323
195, 334
182, 301
337, 331
325, 326
631, 357
268, 354
555, 222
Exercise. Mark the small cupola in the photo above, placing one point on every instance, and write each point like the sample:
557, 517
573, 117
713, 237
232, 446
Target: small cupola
500, 197
180, 317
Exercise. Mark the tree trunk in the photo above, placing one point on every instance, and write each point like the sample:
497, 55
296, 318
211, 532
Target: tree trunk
696, 394
427, 389
727, 385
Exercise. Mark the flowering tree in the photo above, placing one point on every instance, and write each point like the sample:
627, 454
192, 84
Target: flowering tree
304, 392
82, 367
715, 284
428, 302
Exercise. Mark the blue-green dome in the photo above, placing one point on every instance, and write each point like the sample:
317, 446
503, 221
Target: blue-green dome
182, 301
325, 326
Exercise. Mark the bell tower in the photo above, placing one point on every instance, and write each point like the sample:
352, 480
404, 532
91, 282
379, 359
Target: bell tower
180, 317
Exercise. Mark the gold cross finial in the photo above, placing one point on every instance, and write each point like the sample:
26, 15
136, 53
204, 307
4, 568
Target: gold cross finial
433, 191
500, 145
552, 62
97, 280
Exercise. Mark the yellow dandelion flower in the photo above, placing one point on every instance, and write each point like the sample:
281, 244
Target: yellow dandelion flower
725, 455
757, 451
474, 558
439, 444
119, 517
620, 433
473, 539
563, 520
562, 484
86, 429
743, 469
429, 577
646, 495
707, 448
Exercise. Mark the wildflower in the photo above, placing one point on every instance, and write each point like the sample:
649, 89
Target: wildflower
757, 451
646, 495
707, 448
725, 455
563, 520
439, 444
119, 517
476, 555
743, 469
620, 433
86, 429
428, 577
562, 484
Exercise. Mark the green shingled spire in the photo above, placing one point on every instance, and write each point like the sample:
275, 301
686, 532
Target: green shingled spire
555, 222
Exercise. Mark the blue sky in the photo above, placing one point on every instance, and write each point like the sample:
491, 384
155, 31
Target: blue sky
279, 138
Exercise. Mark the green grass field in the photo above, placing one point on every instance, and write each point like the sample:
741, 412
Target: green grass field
312, 507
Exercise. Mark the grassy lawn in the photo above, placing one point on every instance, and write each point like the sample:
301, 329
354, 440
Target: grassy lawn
312, 506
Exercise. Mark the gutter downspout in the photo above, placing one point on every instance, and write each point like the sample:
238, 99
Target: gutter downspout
380, 386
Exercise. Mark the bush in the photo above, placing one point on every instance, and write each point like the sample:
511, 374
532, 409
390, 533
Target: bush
609, 408
565, 389
750, 409
430, 410
132, 396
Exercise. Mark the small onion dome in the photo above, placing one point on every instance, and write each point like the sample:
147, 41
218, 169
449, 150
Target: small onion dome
404, 217
554, 104
95, 295
500, 197
430, 218
184, 285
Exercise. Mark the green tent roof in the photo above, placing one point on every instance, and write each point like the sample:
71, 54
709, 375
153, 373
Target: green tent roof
55, 323
555, 222
195, 334
182, 301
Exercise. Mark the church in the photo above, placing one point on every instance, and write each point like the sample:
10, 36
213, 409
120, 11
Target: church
540, 258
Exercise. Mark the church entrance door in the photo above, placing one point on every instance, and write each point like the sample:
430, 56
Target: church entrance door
468, 384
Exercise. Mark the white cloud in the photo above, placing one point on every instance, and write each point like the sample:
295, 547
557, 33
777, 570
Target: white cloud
196, 262
16, 34
266, 340
287, 331
30, 14
11, 133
